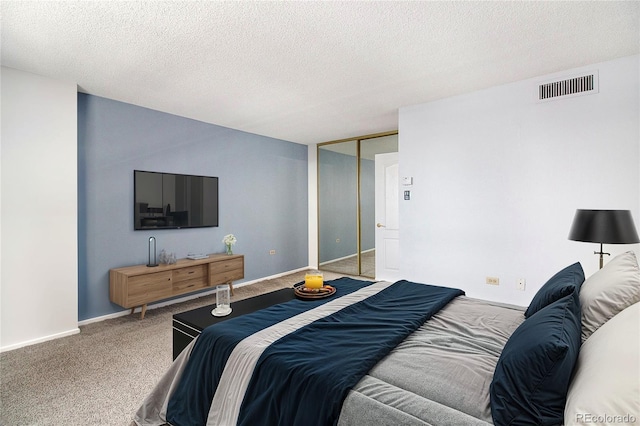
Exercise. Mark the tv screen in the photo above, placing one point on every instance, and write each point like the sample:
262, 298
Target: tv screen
172, 201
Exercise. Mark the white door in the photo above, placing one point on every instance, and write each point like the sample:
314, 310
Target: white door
387, 205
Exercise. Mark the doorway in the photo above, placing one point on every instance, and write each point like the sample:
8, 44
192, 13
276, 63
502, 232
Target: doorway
346, 203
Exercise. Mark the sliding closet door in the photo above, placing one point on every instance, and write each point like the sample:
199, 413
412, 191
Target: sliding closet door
338, 207
346, 203
370, 226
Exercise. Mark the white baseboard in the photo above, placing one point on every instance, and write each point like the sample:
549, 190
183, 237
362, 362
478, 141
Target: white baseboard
184, 299
40, 340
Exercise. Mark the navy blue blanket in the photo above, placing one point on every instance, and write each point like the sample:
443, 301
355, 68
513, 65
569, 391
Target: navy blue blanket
303, 378
191, 401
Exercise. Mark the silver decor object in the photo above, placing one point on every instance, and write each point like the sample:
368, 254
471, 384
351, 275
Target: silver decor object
152, 252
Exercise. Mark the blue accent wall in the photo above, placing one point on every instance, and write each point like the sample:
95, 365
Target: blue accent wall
262, 189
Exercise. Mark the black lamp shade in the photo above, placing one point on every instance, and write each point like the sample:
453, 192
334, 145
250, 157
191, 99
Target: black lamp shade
604, 226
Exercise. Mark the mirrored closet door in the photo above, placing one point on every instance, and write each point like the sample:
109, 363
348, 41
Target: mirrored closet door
346, 203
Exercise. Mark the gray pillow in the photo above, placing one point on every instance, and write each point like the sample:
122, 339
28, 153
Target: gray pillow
609, 291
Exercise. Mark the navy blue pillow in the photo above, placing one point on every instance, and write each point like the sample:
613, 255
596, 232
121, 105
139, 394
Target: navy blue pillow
558, 286
532, 376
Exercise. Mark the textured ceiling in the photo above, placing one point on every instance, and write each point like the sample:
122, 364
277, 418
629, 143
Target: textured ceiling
309, 71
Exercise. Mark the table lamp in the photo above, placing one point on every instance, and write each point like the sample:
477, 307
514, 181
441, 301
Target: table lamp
603, 226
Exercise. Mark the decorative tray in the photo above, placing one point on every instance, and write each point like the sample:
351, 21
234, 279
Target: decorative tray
302, 292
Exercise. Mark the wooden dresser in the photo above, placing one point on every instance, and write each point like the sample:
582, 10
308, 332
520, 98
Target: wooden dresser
139, 285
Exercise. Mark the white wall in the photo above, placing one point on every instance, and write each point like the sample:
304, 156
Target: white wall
39, 266
498, 177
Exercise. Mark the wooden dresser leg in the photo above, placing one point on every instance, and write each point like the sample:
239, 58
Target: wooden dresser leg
132, 310
144, 311
231, 287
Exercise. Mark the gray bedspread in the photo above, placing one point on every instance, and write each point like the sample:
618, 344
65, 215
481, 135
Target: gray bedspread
440, 375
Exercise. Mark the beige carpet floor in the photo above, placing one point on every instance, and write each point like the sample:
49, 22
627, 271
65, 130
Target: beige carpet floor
102, 375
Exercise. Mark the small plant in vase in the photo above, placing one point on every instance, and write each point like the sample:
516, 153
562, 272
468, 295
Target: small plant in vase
229, 240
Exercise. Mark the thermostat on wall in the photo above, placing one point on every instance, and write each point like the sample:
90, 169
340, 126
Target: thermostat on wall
406, 181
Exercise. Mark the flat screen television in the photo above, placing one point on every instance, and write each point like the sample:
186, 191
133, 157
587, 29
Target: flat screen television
174, 201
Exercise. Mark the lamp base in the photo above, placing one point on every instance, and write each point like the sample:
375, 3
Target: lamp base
601, 253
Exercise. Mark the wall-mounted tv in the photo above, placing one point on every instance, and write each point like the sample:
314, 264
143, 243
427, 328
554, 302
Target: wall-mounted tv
173, 201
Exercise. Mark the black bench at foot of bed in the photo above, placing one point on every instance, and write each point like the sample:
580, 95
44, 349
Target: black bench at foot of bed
188, 325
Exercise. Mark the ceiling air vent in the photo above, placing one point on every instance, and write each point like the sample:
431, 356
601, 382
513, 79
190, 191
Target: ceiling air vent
575, 86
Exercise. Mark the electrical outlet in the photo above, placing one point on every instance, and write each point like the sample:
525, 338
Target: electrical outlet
522, 283
493, 280
272, 252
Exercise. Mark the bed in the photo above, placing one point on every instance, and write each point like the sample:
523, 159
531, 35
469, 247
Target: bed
414, 354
